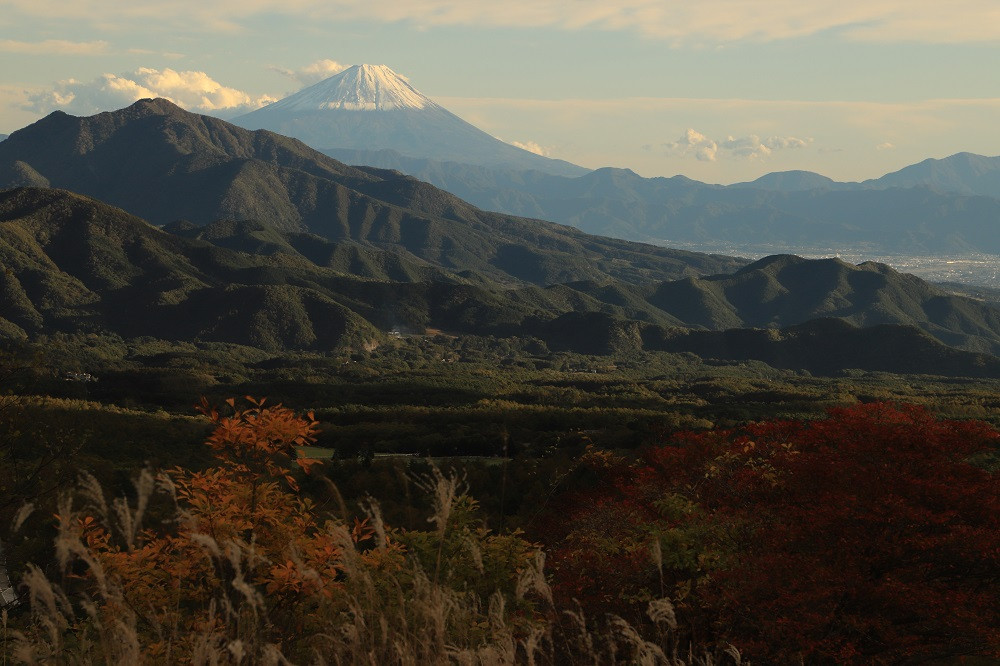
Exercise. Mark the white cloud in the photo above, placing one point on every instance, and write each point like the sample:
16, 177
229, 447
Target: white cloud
783, 142
53, 47
747, 146
532, 147
755, 148
313, 73
611, 132
195, 91
677, 21
693, 142
885, 146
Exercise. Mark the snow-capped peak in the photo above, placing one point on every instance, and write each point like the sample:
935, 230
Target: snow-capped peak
361, 87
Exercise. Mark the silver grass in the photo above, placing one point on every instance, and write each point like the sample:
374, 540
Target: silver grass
22, 515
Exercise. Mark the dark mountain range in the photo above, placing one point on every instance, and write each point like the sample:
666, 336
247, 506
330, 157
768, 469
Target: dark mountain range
371, 107
2, 137
785, 290
165, 164
792, 209
821, 346
961, 173
77, 265
274, 245
73, 264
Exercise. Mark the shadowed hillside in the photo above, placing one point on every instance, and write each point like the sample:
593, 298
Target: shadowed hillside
164, 164
829, 346
785, 290
75, 265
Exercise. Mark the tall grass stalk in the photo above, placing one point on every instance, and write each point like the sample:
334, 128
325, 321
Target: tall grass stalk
387, 609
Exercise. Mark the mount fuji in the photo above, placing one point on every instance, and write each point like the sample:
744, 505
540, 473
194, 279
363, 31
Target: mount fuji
372, 108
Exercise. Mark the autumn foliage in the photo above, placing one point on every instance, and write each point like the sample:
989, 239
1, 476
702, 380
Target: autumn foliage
868, 536
241, 532
247, 570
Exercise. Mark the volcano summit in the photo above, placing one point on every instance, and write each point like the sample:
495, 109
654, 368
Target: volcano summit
372, 108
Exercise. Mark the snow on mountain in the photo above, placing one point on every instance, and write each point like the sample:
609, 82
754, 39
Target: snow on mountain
361, 87
372, 108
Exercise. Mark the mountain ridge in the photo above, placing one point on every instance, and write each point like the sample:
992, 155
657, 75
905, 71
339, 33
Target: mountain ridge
165, 164
679, 210
961, 173
77, 265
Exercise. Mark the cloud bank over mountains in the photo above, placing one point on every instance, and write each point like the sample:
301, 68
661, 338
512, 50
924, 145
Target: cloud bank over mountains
192, 90
696, 144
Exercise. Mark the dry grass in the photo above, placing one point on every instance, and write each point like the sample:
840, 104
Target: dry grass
386, 611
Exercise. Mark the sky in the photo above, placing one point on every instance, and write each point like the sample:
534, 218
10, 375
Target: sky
717, 90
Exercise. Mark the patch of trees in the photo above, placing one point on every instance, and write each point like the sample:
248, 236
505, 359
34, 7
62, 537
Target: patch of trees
864, 537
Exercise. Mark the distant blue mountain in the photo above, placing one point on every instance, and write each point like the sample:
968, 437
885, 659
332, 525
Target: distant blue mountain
937, 207
794, 181
962, 173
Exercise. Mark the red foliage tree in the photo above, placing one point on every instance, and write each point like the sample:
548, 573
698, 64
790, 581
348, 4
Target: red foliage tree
867, 536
